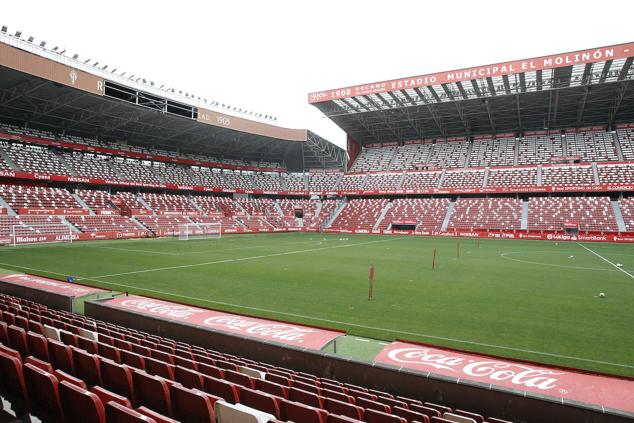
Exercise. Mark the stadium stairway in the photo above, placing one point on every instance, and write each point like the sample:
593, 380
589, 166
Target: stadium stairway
82, 203
595, 173
196, 205
279, 210
442, 178
333, 216
617, 146
486, 177
524, 222
445, 222
8, 160
69, 224
387, 207
539, 175
5, 205
115, 170
620, 222
67, 166
143, 203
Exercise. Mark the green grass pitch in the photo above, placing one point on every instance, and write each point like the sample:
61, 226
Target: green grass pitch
522, 299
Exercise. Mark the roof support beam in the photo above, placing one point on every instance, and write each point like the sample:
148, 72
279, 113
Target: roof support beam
618, 99
490, 113
582, 105
519, 112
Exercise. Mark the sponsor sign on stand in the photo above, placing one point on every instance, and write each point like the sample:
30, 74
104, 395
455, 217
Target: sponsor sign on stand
268, 330
563, 384
49, 285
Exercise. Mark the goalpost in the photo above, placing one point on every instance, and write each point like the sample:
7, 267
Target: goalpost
187, 231
34, 233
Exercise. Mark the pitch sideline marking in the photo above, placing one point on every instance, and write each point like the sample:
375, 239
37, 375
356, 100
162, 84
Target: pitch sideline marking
606, 260
460, 341
184, 266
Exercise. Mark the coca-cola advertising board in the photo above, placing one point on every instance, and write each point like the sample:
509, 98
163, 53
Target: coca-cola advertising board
268, 330
563, 384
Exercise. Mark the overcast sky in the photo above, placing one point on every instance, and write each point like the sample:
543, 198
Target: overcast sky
268, 55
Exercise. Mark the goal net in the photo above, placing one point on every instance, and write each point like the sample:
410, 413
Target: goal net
189, 231
32, 233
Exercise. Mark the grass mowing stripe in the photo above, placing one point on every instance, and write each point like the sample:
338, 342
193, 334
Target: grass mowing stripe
606, 260
209, 263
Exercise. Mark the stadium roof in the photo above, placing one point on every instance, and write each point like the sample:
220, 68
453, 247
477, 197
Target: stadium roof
44, 89
570, 90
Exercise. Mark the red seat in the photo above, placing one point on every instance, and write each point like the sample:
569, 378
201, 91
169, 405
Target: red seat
305, 386
334, 418
17, 340
152, 391
159, 368
68, 338
36, 327
61, 356
428, 411
157, 417
87, 367
132, 359
188, 378
438, 407
343, 408
260, 401
373, 405
374, 416
22, 322
38, 346
240, 379
271, 388
88, 345
338, 395
392, 402
410, 415
106, 396
297, 412
222, 389
43, 392
305, 397
210, 370
46, 366
62, 375
4, 334
275, 378
117, 413
108, 351
12, 382
193, 405
80, 405
477, 417
118, 379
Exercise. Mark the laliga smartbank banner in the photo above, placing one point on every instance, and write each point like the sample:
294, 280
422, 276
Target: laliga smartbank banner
42, 67
251, 327
609, 392
251, 127
581, 57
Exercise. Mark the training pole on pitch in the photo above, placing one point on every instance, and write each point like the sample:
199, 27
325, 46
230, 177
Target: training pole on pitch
371, 286
433, 260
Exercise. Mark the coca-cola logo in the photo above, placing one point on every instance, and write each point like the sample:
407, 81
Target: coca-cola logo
514, 373
254, 327
156, 307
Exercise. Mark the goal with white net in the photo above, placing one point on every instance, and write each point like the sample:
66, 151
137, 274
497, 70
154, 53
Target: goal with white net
188, 231
33, 233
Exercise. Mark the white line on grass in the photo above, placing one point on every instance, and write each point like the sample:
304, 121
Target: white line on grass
208, 263
606, 260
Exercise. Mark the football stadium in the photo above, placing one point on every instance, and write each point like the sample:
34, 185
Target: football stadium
467, 258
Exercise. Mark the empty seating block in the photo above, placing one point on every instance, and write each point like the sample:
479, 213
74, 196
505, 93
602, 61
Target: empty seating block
590, 213
487, 213
427, 213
